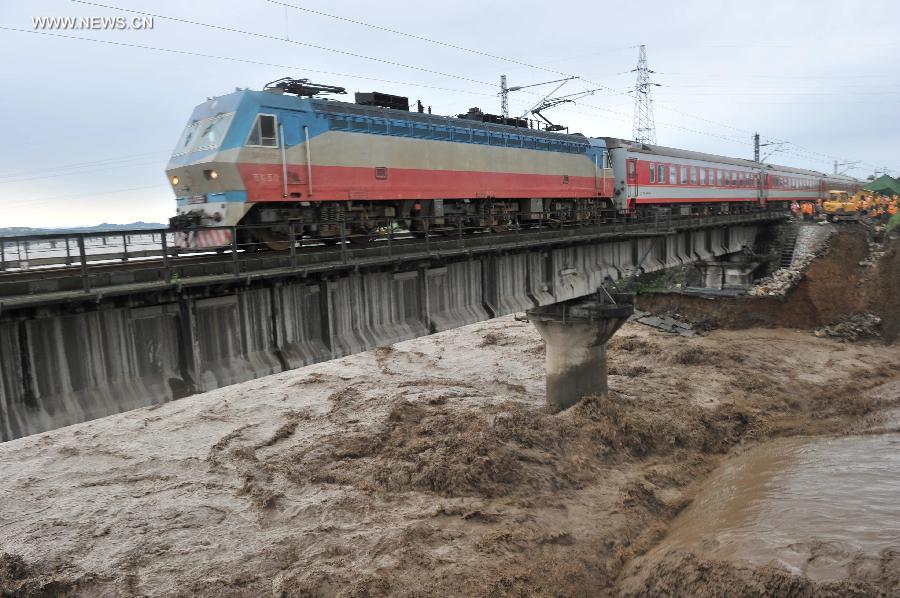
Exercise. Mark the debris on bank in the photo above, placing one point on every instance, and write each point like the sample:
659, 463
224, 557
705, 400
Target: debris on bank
852, 328
779, 282
664, 323
811, 242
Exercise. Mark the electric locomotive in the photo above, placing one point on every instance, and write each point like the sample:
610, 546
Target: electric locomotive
286, 157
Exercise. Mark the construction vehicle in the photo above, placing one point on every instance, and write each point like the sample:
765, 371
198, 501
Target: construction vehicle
840, 206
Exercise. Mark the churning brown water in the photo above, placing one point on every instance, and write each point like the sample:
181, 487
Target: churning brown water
827, 508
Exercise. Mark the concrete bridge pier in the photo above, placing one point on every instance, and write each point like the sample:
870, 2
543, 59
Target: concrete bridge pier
576, 332
733, 275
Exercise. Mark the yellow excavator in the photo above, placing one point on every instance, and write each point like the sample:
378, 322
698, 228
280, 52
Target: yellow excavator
840, 206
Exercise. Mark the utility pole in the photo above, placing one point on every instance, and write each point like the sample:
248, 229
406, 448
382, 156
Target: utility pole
504, 97
843, 167
644, 127
779, 145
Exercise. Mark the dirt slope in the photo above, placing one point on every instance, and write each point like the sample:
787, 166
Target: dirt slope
834, 286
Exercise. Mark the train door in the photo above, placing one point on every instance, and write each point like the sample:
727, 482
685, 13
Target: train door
622, 197
631, 174
762, 187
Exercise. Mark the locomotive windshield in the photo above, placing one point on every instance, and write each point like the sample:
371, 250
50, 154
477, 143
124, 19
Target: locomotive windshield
205, 134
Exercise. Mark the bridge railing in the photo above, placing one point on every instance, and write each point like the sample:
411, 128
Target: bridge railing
89, 261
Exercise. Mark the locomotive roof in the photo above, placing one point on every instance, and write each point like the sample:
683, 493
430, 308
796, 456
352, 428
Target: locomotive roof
659, 150
338, 107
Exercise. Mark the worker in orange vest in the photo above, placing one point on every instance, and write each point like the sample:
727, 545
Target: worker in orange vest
807, 209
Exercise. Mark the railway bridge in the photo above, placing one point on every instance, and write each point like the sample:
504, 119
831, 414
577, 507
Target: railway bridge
94, 324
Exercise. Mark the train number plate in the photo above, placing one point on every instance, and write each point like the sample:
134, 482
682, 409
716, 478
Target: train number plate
193, 199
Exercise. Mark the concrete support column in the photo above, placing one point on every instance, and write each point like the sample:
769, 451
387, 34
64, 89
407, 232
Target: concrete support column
727, 276
576, 332
739, 275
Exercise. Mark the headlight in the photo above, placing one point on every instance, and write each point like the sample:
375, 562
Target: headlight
211, 174
174, 179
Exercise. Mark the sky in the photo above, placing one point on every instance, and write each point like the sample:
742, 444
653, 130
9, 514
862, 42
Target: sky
88, 125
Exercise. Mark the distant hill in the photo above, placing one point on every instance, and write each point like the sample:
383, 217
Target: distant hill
15, 231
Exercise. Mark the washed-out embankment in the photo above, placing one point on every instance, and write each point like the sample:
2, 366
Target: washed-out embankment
833, 287
429, 468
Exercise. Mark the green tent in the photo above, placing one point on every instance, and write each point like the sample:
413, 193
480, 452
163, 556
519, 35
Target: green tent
883, 185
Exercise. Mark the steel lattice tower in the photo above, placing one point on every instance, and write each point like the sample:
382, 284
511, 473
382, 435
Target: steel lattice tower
644, 128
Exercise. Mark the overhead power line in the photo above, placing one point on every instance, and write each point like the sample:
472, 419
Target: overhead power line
287, 41
236, 59
384, 61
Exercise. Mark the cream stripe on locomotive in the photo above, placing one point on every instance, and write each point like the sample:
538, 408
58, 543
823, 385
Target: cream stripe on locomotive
337, 148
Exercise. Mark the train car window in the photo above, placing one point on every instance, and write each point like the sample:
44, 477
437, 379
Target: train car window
652, 172
702, 176
673, 174
684, 175
379, 126
661, 173
693, 175
264, 132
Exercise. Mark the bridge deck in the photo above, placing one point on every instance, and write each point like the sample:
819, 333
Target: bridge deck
92, 276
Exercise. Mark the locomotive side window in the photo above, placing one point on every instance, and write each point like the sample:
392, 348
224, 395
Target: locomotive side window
400, 128
379, 126
652, 172
264, 132
461, 135
661, 173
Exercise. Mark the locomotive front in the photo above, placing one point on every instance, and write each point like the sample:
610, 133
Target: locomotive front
203, 171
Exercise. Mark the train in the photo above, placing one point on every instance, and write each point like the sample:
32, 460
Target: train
289, 158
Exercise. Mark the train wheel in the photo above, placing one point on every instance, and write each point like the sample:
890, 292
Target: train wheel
273, 240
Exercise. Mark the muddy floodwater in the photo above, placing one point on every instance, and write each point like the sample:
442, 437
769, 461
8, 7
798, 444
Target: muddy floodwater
827, 508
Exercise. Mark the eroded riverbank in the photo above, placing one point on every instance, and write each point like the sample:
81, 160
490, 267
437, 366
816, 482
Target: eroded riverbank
818, 514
